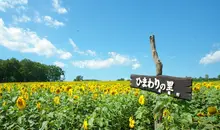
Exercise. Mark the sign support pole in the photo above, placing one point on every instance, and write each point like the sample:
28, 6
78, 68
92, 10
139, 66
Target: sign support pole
159, 69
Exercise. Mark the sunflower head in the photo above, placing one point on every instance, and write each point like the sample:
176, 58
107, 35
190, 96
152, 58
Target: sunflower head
38, 105
68, 88
166, 112
26, 96
21, 104
131, 122
75, 96
56, 100
4, 103
85, 125
58, 91
212, 110
141, 100
113, 92
70, 92
136, 94
95, 96
52, 88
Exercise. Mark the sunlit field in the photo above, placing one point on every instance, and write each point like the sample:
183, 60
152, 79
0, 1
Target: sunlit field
105, 106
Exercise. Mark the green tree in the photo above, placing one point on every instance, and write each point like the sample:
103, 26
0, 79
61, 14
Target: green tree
54, 73
79, 78
121, 79
206, 76
26, 70
218, 77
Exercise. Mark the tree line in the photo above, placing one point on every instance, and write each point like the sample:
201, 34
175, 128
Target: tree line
80, 78
13, 70
207, 78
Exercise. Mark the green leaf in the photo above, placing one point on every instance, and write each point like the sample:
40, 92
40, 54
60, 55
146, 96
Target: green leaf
31, 122
141, 128
11, 126
139, 115
208, 127
43, 112
44, 125
174, 128
100, 122
160, 127
91, 120
21, 128
14, 98
50, 115
159, 106
19, 120
147, 121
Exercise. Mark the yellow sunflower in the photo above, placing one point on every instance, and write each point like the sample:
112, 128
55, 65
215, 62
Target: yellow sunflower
21, 104
38, 105
136, 93
95, 96
52, 88
166, 113
4, 103
58, 91
26, 95
75, 97
56, 100
70, 92
212, 110
85, 125
131, 122
141, 100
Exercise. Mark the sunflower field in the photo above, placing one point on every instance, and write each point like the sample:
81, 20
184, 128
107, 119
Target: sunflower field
105, 106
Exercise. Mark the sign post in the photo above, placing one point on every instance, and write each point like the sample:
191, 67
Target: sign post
176, 86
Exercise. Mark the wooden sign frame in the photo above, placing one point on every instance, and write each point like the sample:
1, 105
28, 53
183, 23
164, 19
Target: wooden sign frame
176, 86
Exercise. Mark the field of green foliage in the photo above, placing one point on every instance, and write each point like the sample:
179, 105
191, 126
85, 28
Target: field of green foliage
105, 106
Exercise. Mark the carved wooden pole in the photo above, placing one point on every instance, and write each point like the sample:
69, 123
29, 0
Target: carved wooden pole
159, 69
159, 65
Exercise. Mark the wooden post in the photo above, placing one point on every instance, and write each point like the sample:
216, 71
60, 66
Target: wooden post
159, 65
159, 69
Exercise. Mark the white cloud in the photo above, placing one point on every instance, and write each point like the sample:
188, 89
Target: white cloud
73, 44
4, 4
210, 58
26, 41
49, 21
90, 52
21, 19
37, 17
114, 59
19, 9
58, 8
59, 64
77, 50
64, 55
135, 66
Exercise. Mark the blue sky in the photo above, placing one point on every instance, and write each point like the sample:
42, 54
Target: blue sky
109, 39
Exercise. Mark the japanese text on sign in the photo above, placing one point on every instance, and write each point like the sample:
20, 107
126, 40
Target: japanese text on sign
148, 83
